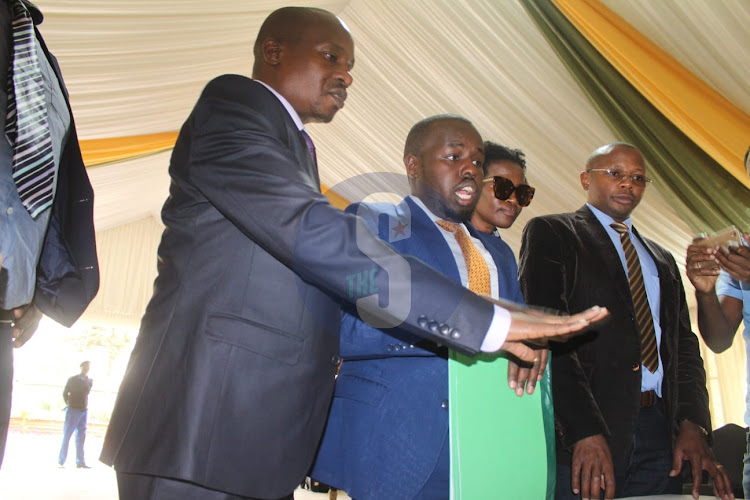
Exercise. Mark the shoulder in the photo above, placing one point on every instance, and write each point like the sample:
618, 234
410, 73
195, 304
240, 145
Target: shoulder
242, 91
556, 222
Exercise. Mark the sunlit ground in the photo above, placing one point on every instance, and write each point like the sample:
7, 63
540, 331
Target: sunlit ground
30, 472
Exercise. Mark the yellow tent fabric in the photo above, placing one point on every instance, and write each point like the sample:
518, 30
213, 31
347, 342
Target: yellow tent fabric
708, 118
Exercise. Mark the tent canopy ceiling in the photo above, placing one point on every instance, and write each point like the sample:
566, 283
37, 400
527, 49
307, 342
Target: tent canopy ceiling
136, 67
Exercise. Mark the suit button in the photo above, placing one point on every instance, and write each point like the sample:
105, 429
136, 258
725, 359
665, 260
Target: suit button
636, 368
397, 347
456, 334
444, 404
422, 321
445, 329
389, 347
433, 326
335, 360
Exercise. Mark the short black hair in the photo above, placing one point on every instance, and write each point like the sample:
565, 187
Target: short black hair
495, 152
416, 137
85, 363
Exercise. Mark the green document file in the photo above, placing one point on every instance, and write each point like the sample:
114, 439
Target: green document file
499, 442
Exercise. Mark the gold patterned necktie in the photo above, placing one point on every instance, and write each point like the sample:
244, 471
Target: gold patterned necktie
26, 123
649, 351
479, 273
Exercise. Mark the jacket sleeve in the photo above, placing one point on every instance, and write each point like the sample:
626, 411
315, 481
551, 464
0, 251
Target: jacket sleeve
548, 267
244, 164
692, 394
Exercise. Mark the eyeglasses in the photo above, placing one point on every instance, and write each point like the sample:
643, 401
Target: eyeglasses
637, 179
504, 188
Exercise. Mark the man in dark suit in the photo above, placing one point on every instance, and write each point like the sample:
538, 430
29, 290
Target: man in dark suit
630, 397
387, 435
229, 383
47, 249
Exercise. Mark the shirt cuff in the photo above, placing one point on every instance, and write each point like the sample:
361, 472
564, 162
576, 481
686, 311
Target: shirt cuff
498, 330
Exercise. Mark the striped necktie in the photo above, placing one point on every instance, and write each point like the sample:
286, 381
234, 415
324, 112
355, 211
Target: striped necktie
649, 351
26, 123
479, 273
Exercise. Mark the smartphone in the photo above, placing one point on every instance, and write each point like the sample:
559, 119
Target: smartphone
727, 238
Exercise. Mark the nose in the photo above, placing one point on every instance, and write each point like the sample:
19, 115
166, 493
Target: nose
626, 181
469, 170
345, 76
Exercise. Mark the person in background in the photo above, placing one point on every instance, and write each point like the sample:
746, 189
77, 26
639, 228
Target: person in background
76, 396
47, 243
631, 405
721, 278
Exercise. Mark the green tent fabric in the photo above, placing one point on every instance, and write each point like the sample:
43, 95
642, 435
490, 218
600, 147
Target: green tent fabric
499, 441
703, 193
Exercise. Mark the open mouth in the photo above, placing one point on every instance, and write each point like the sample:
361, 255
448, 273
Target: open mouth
465, 194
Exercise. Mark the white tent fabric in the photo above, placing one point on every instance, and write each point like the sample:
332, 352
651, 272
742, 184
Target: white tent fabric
136, 67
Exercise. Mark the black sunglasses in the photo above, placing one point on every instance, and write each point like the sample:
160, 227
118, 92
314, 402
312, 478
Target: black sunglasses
505, 187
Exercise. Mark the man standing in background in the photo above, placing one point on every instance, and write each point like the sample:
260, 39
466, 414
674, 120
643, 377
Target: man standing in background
76, 396
47, 244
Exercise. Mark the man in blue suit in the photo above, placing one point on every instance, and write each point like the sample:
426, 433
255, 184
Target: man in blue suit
387, 433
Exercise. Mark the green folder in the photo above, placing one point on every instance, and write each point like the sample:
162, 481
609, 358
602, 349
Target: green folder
500, 443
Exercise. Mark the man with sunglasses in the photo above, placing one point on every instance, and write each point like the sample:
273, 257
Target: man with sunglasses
630, 397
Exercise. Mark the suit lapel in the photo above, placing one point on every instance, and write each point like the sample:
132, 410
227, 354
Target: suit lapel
428, 243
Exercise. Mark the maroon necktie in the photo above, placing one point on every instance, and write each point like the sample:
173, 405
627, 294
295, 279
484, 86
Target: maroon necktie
310, 146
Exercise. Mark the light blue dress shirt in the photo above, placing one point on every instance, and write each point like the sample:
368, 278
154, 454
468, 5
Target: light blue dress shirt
739, 290
649, 381
21, 237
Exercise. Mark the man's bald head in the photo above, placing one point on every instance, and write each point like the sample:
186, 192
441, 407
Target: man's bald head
306, 55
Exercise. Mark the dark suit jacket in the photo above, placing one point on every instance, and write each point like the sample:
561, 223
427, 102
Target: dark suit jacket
389, 416
231, 377
68, 270
569, 263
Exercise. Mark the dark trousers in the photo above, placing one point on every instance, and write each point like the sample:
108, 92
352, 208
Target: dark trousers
6, 382
143, 487
645, 470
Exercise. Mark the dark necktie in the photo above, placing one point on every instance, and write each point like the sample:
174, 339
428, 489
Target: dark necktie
649, 352
26, 123
479, 272
310, 146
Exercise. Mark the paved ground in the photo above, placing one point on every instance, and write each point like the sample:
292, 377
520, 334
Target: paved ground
30, 471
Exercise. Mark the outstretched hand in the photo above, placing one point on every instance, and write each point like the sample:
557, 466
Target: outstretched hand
538, 327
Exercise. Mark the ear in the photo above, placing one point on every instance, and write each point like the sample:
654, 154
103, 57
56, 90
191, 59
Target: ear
585, 180
271, 52
412, 165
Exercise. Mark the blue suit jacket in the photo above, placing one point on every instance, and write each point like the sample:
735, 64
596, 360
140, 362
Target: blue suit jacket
389, 416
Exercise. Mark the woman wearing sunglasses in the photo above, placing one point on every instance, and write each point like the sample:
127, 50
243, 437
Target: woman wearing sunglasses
505, 191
